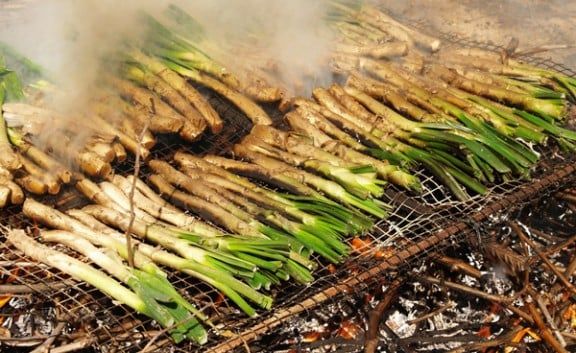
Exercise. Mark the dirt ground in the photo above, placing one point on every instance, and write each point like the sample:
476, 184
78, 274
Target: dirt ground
533, 22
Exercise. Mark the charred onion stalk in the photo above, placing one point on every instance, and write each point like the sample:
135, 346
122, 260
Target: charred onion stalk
316, 137
91, 229
167, 306
311, 209
476, 126
267, 255
334, 190
338, 156
240, 257
141, 75
181, 56
360, 180
177, 82
10, 192
469, 132
8, 158
10, 90
149, 295
317, 221
254, 84
482, 101
148, 108
247, 212
379, 143
364, 30
537, 81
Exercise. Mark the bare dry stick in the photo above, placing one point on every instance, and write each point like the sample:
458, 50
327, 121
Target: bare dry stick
481, 346
560, 246
566, 197
128, 235
34, 288
75, 345
46, 346
375, 317
155, 347
458, 265
550, 321
466, 289
541, 49
545, 332
516, 228
431, 314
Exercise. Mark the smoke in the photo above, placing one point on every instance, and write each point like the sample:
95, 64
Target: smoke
283, 42
69, 39
286, 39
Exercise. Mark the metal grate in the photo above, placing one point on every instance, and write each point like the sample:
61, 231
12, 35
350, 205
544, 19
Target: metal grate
419, 225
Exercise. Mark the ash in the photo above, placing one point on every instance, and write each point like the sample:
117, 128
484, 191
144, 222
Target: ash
471, 306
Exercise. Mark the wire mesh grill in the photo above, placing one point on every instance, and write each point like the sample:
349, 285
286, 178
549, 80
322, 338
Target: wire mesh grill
418, 226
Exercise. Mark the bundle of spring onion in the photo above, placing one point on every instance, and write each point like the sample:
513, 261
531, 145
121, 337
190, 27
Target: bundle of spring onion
170, 56
10, 193
22, 165
92, 148
464, 115
144, 289
237, 265
309, 221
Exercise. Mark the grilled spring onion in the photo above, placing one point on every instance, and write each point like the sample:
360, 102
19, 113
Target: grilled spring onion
332, 189
390, 172
180, 84
304, 147
317, 213
144, 77
184, 45
324, 240
147, 226
361, 181
301, 196
10, 192
164, 303
222, 280
182, 57
210, 191
266, 254
148, 291
252, 110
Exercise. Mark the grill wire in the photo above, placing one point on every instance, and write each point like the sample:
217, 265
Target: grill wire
93, 320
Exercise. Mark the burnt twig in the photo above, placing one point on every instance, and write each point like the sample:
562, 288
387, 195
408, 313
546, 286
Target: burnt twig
549, 319
128, 235
558, 247
45, 346
375, 317
545, 332
480, 346
76, 345
516, 228
507, 302
458, 265
467, 289
431, 314
34, 287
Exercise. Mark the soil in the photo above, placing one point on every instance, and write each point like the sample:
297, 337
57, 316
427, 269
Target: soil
533, 22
